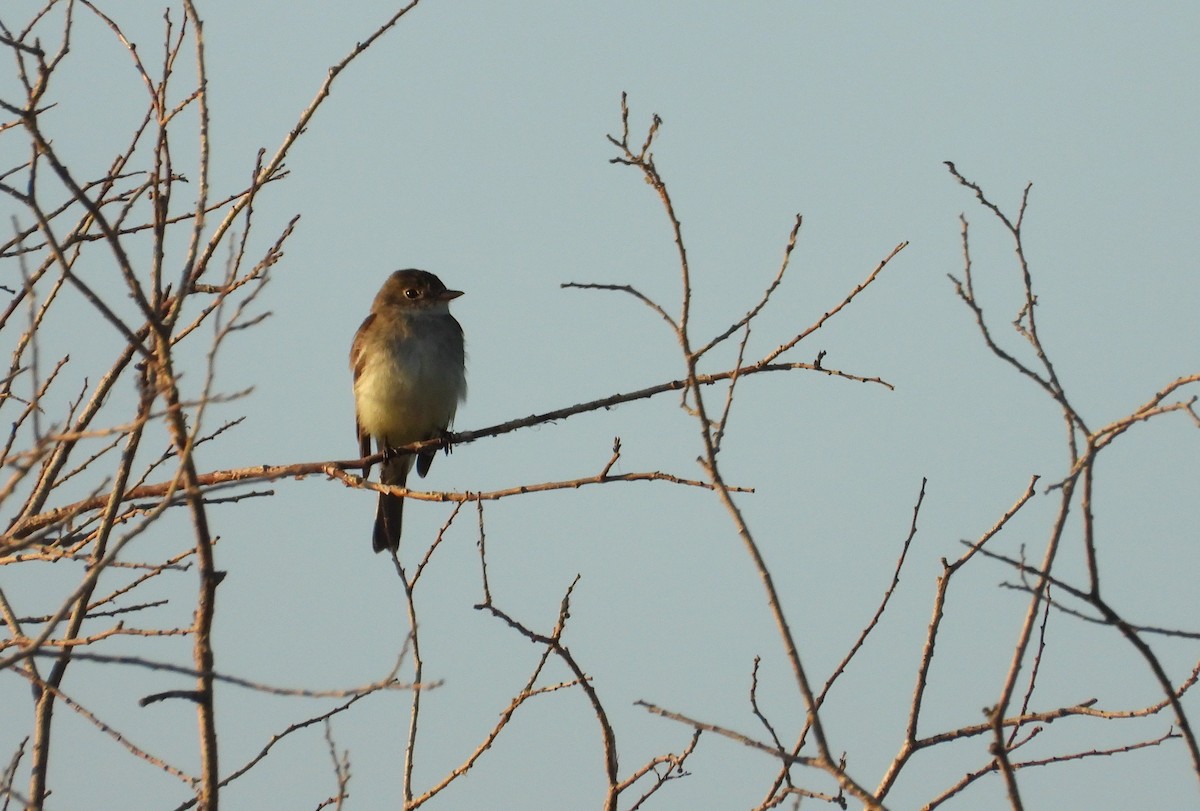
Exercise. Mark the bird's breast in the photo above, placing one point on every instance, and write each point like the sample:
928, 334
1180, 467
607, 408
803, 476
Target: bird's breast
409, 389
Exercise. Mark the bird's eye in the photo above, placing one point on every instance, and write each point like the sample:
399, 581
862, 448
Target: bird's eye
412, 293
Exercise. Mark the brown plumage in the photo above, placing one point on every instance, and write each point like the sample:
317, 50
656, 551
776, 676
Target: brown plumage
408, 361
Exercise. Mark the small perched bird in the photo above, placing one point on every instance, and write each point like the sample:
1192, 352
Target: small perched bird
409, 371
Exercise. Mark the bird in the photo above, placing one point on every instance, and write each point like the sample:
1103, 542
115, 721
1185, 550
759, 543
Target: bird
408, 361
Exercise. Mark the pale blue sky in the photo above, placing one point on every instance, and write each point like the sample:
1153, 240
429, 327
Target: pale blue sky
470, 142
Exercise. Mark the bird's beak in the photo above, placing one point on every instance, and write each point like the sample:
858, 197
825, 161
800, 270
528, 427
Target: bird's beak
449, 295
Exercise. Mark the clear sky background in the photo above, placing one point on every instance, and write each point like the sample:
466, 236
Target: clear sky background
470, 142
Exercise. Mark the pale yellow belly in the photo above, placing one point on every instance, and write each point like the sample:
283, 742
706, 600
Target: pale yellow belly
409, 400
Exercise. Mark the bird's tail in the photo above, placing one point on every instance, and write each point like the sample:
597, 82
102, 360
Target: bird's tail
391, 508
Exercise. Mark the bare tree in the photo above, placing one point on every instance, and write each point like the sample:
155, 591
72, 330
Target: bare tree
87, 482
85, 485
